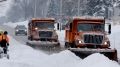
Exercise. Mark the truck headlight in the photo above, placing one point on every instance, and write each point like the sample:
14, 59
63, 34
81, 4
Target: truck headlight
56, 36
80, 41
17, 30
36, 28
25, 30
105, 43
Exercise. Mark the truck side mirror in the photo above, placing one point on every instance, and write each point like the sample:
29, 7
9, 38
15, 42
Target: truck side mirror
58, 26
70, 26
109, 29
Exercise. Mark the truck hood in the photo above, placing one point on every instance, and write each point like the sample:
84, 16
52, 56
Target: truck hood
46, 30
91, 33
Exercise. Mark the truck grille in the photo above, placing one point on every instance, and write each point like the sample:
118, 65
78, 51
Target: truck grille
93, 39
45, 34
21, 31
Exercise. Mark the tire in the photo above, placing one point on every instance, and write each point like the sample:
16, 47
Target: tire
26, 34
16, 34
57, 45
67, 45
30, 38
73, 45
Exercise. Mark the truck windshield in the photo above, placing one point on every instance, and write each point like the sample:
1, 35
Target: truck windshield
42, 25
90, 27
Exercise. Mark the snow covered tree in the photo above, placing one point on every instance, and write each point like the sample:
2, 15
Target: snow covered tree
53, 9
26, 9
69, 7
99, 7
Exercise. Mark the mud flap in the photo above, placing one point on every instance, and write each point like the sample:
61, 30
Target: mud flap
84, 52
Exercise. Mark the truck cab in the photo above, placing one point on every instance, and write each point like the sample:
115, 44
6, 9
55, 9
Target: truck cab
87, 32
42, 29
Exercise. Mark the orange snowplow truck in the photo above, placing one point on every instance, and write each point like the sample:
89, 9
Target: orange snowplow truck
41, 31
87, 35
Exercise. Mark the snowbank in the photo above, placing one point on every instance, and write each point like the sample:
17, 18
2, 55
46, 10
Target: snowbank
98, 60
62, 59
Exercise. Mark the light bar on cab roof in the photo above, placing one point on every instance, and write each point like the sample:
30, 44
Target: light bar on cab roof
89, 17
43, 18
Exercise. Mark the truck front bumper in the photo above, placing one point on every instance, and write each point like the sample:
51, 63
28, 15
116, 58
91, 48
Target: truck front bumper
43, 43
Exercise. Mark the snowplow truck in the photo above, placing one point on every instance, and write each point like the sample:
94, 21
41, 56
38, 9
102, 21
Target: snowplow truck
87, 35
41, 31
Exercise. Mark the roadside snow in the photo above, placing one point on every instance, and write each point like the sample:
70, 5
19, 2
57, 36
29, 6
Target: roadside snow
98, 60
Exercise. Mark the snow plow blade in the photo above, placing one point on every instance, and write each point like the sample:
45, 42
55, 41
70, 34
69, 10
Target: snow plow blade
84, 52
42, 43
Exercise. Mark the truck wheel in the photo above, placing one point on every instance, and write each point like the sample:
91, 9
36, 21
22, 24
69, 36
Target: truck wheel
16, 34
58, 44
73, 45
25, 34
67, 45
30, 38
